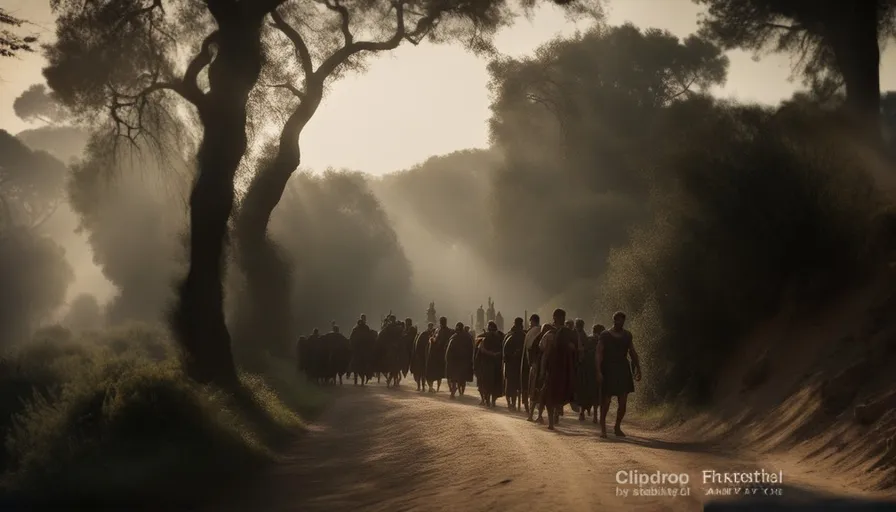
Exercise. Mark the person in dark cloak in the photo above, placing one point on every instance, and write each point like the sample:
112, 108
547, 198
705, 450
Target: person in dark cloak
302, 355
418, 360
398, 357
362, 350
559, 346
587, 388
499, 320
514, 343
578, 327
614, 348
316, 356
531, 365
570, 324
374, 355
339, 352
389, 343
477, 368
435, 355
488, 360
408, 337
380, 351
324, 358
459, 360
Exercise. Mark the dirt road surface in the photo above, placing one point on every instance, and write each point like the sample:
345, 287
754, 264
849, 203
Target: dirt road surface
401, 450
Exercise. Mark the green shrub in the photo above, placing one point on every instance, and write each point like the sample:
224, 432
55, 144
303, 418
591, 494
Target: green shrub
109, 418
754, 205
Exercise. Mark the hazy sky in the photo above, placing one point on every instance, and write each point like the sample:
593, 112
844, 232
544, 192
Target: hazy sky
428, 100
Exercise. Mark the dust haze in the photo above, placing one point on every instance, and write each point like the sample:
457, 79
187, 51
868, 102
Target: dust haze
167, 251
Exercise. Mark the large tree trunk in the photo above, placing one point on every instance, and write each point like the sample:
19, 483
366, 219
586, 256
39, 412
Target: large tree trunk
265, 311
198, 319
854, 42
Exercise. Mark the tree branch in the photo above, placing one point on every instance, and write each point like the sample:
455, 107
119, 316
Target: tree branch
335, 5
36, 223
297, 41
340, 56
423, 27
127, 18
190, 84
787, 28
289, 87
187, 88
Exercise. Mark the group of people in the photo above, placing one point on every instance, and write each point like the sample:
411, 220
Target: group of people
328, 358
535, 367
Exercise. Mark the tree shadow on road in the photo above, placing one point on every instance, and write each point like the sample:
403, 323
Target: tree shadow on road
579, 428
335, 465
658, 444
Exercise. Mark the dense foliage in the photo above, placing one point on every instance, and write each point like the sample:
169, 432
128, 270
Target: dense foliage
577, 122
343, 248
33, 268
127, 210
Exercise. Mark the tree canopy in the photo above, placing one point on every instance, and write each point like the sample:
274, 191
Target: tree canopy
33, 268
37, 103
123, 63
31, 184
133, 223
344, 251
576, 123
832, 41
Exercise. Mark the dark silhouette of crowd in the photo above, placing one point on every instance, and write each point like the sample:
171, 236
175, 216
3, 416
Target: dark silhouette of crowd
534, 367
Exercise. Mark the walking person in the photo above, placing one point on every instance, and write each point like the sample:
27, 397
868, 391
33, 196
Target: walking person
614, 348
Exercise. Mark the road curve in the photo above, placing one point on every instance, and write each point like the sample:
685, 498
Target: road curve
401, 450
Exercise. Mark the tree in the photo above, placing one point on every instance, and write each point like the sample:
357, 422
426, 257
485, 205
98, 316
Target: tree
840, 38
84, 314
357, 264
133, 231
578, 123
766, 206
329, 38
119, 61
67, 143
31, 184
459, 176
37, 103
12, 44
33, 270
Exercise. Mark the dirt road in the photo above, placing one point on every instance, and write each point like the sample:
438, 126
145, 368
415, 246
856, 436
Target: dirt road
400, 450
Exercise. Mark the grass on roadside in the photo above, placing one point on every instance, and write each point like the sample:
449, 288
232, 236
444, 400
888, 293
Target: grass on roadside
109, 417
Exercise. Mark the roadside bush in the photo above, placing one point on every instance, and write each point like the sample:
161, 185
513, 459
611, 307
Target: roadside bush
754, 205
109, 418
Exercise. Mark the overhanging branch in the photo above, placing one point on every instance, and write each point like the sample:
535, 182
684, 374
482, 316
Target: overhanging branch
336, 5
298, 42
340, 56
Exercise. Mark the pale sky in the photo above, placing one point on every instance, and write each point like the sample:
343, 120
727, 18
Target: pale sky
430, 100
